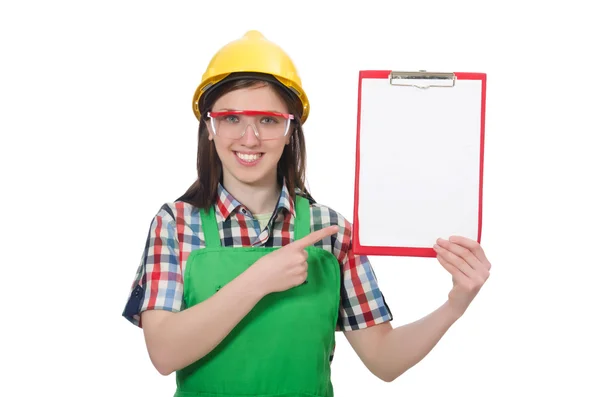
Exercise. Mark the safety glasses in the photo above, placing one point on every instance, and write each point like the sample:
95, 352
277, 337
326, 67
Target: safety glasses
233, 124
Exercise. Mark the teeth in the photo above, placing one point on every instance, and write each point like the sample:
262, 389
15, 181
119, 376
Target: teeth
248, 157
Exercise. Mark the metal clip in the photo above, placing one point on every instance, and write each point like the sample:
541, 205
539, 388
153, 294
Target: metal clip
422, 79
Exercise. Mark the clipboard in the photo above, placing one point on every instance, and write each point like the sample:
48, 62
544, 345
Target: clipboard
419, 160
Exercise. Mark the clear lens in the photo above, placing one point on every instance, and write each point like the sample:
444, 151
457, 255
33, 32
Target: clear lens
234, 126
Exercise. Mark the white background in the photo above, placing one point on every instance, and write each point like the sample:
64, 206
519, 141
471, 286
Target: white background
97, 132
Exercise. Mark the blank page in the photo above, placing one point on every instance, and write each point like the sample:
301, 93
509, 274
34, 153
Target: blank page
419, 172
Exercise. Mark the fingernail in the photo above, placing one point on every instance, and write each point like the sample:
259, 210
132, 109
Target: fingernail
436, 247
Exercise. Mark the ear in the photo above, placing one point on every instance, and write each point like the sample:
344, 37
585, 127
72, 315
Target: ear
208, 130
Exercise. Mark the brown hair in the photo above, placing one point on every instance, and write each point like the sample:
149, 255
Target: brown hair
291, 167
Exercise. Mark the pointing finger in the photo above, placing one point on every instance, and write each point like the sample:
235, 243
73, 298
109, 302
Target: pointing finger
315, 237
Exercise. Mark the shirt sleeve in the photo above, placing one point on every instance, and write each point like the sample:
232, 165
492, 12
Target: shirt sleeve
361, 302
158, 284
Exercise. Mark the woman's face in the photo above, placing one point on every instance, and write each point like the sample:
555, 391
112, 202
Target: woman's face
249, 160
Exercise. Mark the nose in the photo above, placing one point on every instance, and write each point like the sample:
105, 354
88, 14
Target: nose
250, 137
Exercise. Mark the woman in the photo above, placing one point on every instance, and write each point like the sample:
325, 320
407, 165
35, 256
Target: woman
245, 278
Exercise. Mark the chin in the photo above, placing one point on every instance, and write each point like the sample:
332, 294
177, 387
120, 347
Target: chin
251, 177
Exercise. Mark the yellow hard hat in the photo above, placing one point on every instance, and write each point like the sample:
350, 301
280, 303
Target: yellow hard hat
253, 54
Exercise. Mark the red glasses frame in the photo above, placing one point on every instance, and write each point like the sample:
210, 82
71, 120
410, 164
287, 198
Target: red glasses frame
287, 116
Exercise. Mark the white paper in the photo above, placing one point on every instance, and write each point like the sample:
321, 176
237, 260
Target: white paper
419, 163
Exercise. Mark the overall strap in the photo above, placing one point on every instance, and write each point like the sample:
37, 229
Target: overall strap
210, 228
302, 221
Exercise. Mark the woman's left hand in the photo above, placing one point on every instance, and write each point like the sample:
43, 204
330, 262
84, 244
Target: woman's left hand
465, 260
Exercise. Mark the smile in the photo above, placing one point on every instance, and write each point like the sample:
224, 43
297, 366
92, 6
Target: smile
248, 158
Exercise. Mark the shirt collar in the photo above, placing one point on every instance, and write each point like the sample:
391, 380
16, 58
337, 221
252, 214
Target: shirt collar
226, 204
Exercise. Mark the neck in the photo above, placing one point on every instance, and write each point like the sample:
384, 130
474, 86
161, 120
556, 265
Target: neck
259, 198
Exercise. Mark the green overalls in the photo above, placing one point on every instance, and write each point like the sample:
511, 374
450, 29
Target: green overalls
282, 347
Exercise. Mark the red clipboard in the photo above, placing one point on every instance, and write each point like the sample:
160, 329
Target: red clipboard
419, 160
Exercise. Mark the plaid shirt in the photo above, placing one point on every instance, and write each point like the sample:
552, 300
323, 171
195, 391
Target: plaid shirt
176, 231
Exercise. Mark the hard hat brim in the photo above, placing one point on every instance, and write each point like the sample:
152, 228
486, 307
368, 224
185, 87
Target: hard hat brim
208, 89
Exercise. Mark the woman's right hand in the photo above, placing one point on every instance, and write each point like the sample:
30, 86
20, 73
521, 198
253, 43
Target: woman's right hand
286, 267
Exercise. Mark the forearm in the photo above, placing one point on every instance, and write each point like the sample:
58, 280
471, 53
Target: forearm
185, 337
404, 346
